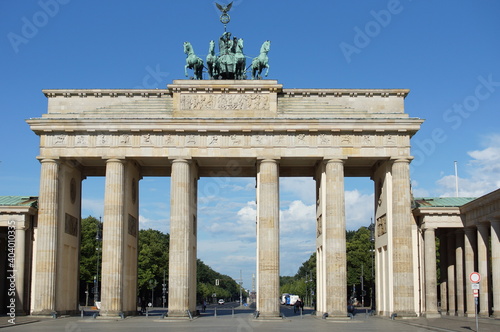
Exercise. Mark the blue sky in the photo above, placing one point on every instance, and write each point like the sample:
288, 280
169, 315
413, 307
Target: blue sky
446, 52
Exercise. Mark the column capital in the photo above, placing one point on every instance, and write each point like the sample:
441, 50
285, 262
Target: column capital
181, 160
43, 160
339, 160
402, 159
115, 160
268, 160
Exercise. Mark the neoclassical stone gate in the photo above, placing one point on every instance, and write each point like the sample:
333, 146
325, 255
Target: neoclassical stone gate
221, 128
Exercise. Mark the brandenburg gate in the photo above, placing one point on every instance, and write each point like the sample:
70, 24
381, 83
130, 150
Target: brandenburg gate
200, 128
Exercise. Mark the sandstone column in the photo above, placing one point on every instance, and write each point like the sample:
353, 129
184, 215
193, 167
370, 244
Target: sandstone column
20, 251
459, 261
430, 274
452, 307
179, 262
335, 240
268, 239
482, 259
113, 239
44, 291
495, 265
402, 253
443, 268
469, 248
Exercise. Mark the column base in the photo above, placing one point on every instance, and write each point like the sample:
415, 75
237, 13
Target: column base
432, 315
43, 312
263, 318
495, 314
180, 314
404, 315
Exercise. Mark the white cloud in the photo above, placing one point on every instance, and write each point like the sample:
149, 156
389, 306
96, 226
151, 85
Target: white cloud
358, 209
482, 172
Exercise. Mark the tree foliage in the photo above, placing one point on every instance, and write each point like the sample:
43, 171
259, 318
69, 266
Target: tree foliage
89, 249
359, 251
152, 262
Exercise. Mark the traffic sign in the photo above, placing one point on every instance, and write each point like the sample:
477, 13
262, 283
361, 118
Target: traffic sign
475, 292
475, 286
475, 277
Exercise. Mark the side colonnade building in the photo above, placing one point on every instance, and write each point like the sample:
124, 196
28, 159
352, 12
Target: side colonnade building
468, 233
197, 129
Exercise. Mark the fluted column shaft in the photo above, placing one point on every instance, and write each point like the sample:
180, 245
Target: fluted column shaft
482, 264
452, 306
335, 240
268, 241
495, 266
20, 250
469, 250
443, 268
113, 238
430, 272
459, 261
44, 299
178, 286
402, 253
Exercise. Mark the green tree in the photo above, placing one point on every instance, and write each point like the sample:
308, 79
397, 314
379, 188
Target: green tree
152, 260
89, 248
359, 260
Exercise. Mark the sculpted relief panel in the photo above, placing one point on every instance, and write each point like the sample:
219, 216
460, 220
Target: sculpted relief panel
289, 139
224, 101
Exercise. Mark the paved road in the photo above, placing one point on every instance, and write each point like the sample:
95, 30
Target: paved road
242, 321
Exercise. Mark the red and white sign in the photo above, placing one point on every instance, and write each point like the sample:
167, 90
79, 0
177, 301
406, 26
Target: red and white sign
475, 277
475, 292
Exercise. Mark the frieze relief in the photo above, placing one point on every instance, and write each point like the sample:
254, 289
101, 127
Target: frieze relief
225, 139
225, 101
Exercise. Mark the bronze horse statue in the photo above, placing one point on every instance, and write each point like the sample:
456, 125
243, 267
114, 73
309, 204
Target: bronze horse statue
261, 62
193, 62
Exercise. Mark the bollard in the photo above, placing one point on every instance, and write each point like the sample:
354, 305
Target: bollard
81, 313
233, 311
300, 308
215, 312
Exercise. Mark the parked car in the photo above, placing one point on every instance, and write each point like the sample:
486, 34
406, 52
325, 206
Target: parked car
221, 301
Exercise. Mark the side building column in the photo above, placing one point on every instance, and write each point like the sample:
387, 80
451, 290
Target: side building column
182, 251
402, 242
334, 240
268, 239
112, 242
482, 264
469, 252
495, 266
460, 272
45, 270
443, 268
430, 274
20, 268
452, 307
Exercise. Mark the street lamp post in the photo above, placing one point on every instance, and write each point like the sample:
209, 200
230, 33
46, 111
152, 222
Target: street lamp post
372, 240
98, 249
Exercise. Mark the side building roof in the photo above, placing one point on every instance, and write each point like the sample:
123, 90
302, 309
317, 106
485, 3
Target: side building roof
29, 201
423, 202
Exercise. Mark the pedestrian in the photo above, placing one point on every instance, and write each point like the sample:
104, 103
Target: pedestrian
204, 306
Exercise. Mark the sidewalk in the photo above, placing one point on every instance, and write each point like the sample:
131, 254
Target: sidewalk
243, 320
